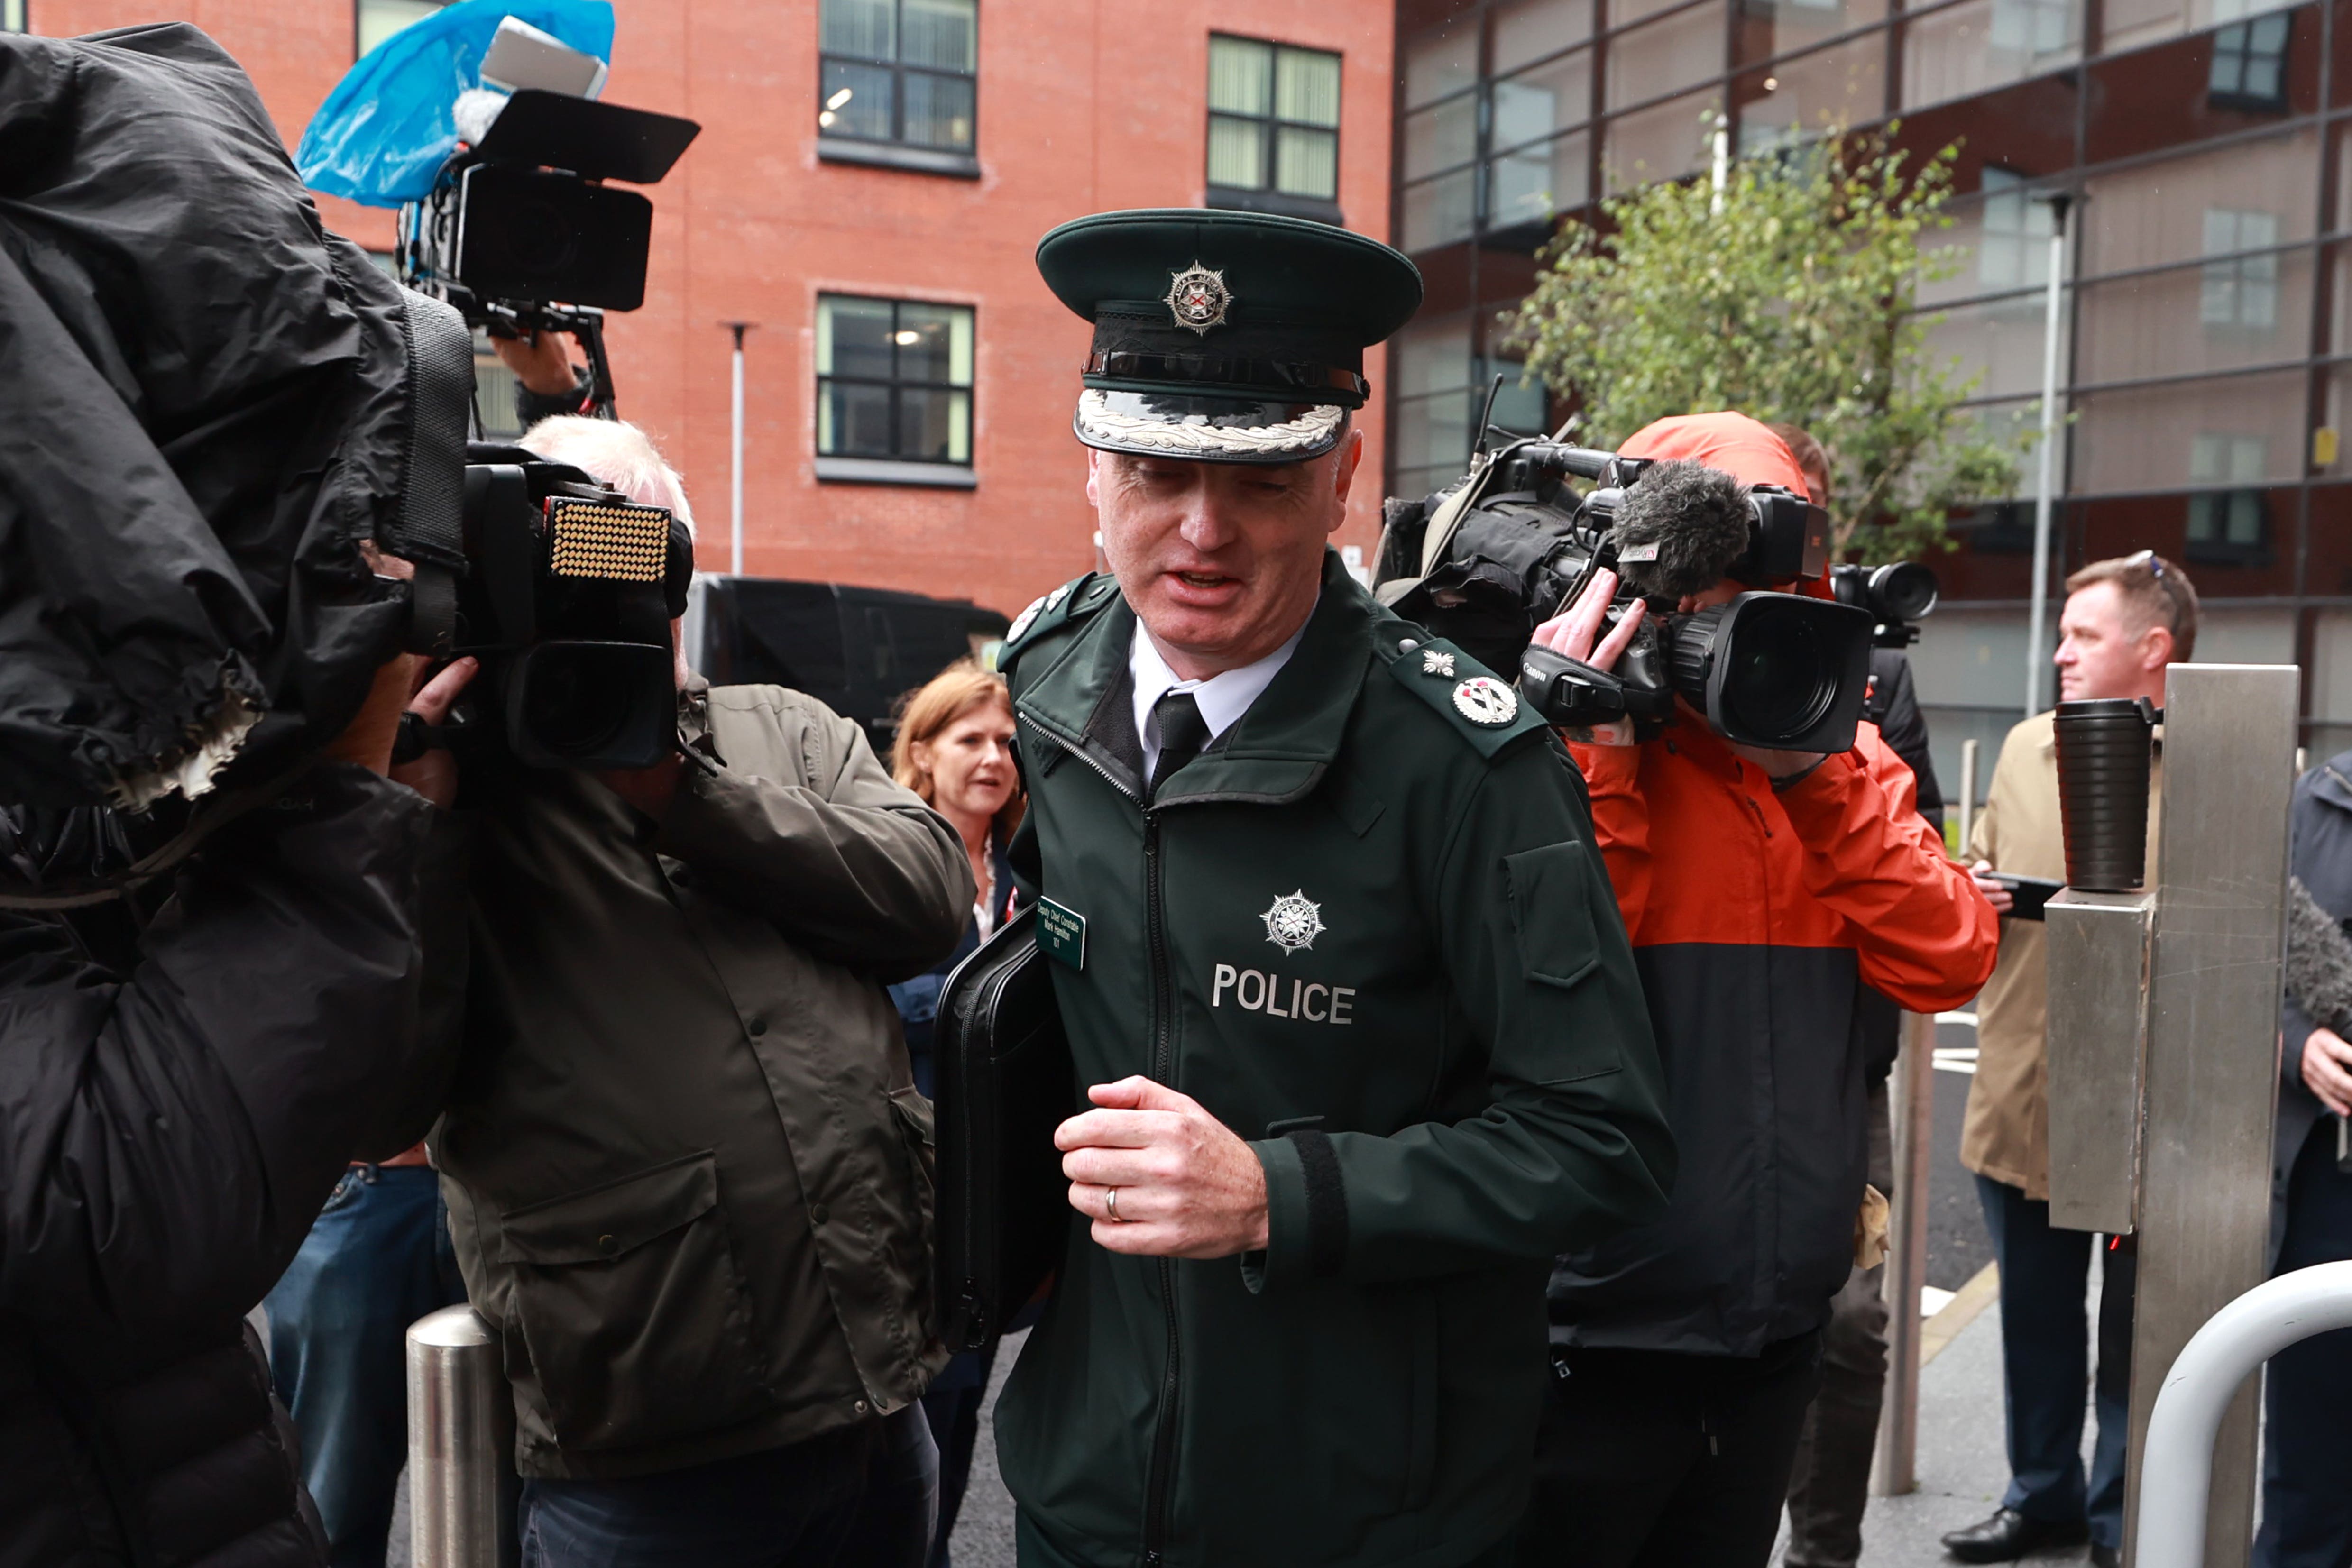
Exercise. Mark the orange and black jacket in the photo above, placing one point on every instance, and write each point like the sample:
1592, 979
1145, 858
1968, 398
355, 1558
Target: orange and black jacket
1756, 918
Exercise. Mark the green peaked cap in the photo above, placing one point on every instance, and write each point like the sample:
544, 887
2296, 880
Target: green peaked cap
1224, 337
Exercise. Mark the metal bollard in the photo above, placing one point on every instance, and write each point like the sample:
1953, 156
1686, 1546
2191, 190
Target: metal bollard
2177, 1465
1911, 1106
1969, 749
460, 1433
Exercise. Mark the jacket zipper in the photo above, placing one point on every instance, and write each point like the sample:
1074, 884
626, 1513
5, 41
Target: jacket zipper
1161, 1477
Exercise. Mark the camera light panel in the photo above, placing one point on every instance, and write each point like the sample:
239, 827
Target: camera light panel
607, 540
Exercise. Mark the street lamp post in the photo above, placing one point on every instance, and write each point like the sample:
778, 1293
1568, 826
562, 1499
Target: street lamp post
2059, 201
735, 454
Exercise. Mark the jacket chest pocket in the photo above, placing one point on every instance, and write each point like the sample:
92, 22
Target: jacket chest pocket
632, 1308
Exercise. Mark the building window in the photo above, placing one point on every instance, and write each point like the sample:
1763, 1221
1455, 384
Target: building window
2227, 527
903, 71
1274, 127
374, 20
893, 380
2241, 290
2015, 249
2250, 64
2032, 28
12, 16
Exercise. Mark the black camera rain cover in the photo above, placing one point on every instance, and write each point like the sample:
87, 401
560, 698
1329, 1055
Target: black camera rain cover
207, 412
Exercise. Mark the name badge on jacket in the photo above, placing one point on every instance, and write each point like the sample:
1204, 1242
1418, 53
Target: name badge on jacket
1062, 933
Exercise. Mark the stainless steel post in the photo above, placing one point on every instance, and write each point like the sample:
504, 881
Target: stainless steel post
2211, 1067
460, 1431
2096, 1058
1911, 1102
1968, 752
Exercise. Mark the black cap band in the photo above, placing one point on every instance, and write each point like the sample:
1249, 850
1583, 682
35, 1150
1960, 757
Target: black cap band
1216, 370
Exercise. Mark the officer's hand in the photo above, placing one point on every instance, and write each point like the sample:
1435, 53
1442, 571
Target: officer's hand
434, 774
1187, 1188
1998, 896
1577, 635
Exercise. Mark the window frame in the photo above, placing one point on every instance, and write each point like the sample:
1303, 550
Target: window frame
358, 32
2242, 277
2236, 41
16, 16
895, 150
1267, 197
897, 383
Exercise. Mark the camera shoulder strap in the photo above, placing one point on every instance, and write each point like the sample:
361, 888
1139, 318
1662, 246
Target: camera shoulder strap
432, 497
1438, 532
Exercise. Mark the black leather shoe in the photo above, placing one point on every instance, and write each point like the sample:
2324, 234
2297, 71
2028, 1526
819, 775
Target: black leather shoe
2009, 1535
2106, 1556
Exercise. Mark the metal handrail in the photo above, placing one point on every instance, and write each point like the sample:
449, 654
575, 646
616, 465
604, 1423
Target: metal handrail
2177, 1466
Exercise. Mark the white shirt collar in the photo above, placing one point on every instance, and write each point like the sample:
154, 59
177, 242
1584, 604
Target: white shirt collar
1222, 698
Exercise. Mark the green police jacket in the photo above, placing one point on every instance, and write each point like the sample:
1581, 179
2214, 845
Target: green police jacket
1371, 934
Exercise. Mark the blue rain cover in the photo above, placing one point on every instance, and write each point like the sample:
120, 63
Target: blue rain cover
385, 131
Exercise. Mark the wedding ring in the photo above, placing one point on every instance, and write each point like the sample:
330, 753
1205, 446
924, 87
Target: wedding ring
1110, 1205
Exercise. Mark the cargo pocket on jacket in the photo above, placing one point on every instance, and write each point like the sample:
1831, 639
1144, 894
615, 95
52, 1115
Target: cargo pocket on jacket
917, 1131
632, 1311
1552, 912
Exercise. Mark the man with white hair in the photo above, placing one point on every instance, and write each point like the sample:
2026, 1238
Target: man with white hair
684, 1156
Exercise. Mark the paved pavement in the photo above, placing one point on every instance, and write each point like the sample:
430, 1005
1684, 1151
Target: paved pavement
1961, 1466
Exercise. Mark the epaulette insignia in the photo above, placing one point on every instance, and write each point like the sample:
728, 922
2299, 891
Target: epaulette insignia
1482, 708
1078, 597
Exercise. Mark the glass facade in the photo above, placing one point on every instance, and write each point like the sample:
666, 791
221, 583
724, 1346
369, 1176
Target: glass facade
2206, 318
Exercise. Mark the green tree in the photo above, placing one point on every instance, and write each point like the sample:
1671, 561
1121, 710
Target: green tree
1789, 296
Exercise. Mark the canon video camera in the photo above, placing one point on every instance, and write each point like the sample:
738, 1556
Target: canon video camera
1515, 544
567, 604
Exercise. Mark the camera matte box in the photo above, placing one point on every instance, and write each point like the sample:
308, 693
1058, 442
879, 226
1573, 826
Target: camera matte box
526, 234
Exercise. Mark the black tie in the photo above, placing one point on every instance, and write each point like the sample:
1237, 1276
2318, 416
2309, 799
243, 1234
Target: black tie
1183, 733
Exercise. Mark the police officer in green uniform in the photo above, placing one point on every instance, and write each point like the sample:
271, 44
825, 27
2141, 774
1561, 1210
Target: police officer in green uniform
1339, 962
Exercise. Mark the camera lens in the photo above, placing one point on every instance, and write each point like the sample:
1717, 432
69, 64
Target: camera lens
572, 704
1778, 682
541, 240
1905, 591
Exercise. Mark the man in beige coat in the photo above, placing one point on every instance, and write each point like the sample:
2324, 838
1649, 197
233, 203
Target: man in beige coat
2125, 621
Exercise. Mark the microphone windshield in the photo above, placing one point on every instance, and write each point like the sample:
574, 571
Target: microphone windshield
1680, 528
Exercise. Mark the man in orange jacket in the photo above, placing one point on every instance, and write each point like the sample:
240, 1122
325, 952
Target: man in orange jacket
1763, 890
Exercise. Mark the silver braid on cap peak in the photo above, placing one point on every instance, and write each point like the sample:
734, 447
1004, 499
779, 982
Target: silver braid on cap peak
1302, 434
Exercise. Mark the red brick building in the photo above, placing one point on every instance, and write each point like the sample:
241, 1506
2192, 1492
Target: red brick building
931, 189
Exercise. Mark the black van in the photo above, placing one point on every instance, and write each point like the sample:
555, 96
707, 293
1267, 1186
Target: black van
857, 650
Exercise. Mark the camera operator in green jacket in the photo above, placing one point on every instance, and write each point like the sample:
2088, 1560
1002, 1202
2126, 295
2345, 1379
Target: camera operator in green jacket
1341, 970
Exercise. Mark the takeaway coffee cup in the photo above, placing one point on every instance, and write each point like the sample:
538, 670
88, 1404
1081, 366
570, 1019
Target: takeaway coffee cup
2104, 751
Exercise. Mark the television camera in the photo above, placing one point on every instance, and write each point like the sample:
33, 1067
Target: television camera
570, 587
1515, 543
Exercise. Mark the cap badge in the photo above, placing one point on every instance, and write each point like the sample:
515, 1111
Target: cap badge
1483, 699
1198, 299
1293, 921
